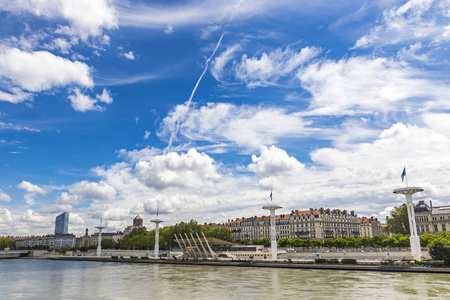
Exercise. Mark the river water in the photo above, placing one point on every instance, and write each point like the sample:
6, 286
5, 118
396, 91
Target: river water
47, 279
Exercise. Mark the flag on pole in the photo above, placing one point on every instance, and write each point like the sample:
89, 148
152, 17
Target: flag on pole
270, 195
403, 174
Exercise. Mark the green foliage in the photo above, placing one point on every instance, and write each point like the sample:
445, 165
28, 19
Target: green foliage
284, 242
243, 242
398, 221
333, 261
349, 261
108, 244
264, 241
144, 257
7, 243
321, 260
114, 257
439, 249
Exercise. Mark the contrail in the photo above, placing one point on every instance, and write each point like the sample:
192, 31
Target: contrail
188, 104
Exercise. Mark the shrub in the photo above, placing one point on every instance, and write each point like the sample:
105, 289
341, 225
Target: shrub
388, 262
321, 260
333, 261
349, 261
144, 257
114, 257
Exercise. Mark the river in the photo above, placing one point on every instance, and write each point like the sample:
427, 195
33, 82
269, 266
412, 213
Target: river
48, 279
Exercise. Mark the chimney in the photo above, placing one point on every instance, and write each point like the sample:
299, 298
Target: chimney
352, 212
431, 204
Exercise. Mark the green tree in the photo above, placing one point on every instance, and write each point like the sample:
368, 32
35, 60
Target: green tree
439, 249
108, 244
243, 242
284, 242
7, 243
398, 221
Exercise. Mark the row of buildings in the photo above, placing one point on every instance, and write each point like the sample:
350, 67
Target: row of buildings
309, 224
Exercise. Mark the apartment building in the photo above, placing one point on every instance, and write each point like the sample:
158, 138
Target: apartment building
370, 227
432, 219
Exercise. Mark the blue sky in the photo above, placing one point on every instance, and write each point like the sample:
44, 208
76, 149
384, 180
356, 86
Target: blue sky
199, 108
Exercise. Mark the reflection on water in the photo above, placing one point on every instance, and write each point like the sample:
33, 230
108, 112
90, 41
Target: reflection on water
44, 279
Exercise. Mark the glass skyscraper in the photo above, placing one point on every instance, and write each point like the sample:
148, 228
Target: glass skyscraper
62, 223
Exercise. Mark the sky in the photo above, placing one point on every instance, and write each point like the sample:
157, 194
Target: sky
199, 109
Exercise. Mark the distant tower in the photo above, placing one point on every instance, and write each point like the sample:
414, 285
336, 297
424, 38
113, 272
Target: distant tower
99, 246
414, 239
157, 222
273, 231
138, 222
62, 223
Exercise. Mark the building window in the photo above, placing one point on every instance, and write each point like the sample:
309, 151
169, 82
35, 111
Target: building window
443, 227
421, 227
427, 228
435, 228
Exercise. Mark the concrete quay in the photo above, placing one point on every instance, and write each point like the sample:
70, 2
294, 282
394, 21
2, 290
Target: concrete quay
263, 264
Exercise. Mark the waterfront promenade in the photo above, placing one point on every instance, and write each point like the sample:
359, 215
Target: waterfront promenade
264, 264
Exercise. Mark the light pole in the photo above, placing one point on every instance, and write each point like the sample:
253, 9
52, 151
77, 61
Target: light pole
414, 239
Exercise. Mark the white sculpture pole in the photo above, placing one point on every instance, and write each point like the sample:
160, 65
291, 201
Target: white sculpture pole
156, 221
99, 245
273, 230
414, 239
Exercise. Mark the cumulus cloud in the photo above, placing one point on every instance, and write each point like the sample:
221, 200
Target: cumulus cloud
363, 85
4, 196
244, 126
66, 198
38, 71
93, 190
129, 55
32, 188
274, 161
191, 169
86, 18
82, 102
5, 216
269, 68
36, 219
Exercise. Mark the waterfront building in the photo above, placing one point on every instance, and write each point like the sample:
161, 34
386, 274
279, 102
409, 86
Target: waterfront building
92, 240
323, 224
62, 223
309, 224
432, 219
50, 241
370, 227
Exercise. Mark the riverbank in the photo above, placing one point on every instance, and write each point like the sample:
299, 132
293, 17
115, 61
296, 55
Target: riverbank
263, 264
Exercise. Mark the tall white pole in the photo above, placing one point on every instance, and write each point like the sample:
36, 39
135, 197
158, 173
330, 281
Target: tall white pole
273, 234
414, 239
157, 241
156, 251
99, 245
273, 229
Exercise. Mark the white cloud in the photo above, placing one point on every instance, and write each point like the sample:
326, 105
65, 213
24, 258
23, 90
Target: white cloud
191, 169
4, 196
438, 122
81, 102
221, 60
269, 68
129, 55
5, 216
365, 85
66, 198
11, 126
425, 20
194, 12
244, 126
274, 161
93, 190
38, 71
32, 188
105, 97
86, 17
147, 134
168, 30
36, 219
